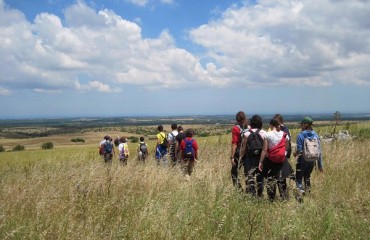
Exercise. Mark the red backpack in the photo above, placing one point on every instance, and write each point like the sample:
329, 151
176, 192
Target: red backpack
277, 153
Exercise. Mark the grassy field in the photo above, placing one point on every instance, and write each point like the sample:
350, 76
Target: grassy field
69, 193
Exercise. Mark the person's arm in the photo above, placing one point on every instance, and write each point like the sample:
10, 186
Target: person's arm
195, 146
182, 148
300, 141
233, 150
263, 154
234, 142
319, 162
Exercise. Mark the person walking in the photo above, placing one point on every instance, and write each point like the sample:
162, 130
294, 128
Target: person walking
272, 157
188, 152
171, 138
236, 138
108, 150
161, 147
308, 153
251, 149
123, 151
179, 137
142, 150
287, 170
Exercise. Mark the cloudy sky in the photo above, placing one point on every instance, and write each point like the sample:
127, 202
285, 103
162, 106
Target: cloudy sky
64, 58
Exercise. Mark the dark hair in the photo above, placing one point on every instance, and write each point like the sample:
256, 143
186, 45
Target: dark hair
160, 128
256, 122
275, 124
279, 118
241, 118
142, 139
122, 140
189, 132
106, 137
179, 128
174, 126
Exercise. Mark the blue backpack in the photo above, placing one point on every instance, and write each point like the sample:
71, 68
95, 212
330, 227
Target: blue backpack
189, 150
108, 147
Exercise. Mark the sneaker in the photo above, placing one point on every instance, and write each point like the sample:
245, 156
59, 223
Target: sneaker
300, 189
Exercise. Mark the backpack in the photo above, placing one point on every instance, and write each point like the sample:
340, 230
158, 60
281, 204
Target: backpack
277, 153
189, 150
172, 144
124, 152
108, 147
254, 144
311, 149
165, 141
143, 149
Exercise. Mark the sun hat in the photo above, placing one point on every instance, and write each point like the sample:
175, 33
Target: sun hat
306, 120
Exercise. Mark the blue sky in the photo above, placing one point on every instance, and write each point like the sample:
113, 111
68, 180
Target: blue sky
64, 58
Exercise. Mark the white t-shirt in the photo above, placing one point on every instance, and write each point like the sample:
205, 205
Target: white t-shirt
172, 136
274, 138
262, 133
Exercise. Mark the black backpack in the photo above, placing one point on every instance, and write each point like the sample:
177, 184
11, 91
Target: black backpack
165, 141
254, 144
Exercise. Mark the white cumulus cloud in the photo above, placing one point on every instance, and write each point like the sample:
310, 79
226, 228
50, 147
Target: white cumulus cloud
280, 42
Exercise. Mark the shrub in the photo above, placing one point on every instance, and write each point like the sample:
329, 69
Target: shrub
2, 149
77, 140
47, 145
133, 139
18, 148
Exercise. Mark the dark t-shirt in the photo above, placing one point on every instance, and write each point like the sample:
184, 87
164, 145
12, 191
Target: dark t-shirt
180, 137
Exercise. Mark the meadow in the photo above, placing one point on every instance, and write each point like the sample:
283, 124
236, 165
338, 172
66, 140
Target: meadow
69, 193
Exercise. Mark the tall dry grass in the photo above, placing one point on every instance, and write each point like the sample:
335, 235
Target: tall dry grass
71, 194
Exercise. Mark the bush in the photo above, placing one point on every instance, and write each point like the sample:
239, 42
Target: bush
2, 149
133, 139
18, 148
47, 145
77, 140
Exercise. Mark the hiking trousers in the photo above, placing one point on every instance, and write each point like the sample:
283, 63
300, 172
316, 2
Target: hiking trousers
303, 172
254, 177
235, 173
187, 165
271, 171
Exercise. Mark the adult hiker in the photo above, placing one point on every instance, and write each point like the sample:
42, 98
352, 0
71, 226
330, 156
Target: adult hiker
251, 149
273, 155
308, 152
287, 170
108, 149
161, 147
236, 137
172, 143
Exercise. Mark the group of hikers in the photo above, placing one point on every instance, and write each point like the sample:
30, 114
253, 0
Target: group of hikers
264, 154
175, 148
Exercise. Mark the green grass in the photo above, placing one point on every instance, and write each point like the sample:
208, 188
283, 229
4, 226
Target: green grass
69, 193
